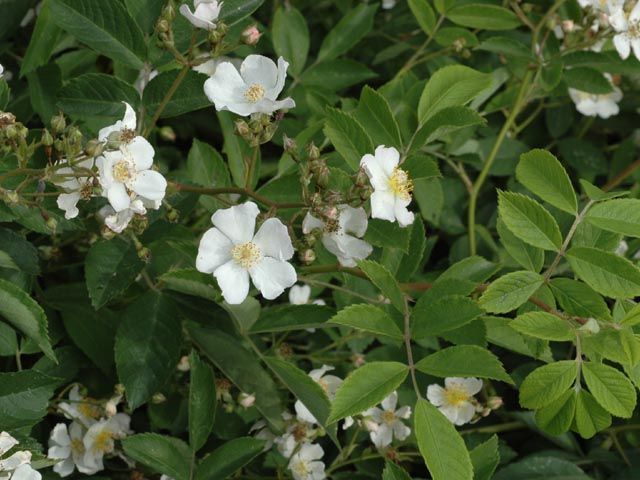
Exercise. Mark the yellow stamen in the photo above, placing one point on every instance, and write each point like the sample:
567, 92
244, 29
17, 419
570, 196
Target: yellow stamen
388, 417
456, 396
254, 93
246, 254
103, 442
401, 184
123, 171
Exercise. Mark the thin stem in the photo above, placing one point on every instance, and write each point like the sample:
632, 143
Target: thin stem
249, 177
334, 267
407, 345
167, 98
622, 176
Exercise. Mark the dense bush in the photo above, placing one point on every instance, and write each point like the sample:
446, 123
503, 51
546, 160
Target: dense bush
319, 239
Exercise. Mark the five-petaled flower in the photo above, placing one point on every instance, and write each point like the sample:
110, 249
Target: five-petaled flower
66, 446
232, 252
602, 105
205, 13
254, 88
392, 186
456, 400
386, 423
305, 464
627, 28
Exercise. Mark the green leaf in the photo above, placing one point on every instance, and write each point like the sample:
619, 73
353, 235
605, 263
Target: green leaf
411, 262
105, 26
336, 74
351, 28
483, 16
556, 417
233, 11
202, 401
369, 318
188, 97
241, 367
529, 221
386, 283
24, 397
632, 317
394, 472
621, 215
612, 389
597, 195
577, 298
44, 84
545, 326
110, 267
440, 444
588, 80
24, 313
191, 282
453, 85
348, 137
383, 233
375, 115
206, 166
541, 467
444, 122
147, 346
444, 313
424, 14
236, 149
605, 272
228, 458
528, 256
166, 455
508, 47
43, 40
96, 95
291, 37
418, 165
283, 318
309, 392
464, 361
510, 291
13, 11
590, 417
544, 175
485, 459
547, 383
366, 387
21, 253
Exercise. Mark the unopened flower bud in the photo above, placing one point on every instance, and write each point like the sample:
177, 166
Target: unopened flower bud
289, 145
51, 224
251, 35
144, 254
242, 128
168, 134
107, 233
158, 398
162, 26
58, 123
75, 135
11, 132
592, 326
494, 403
7, 118
358, 360
11, 196
308, 256
94, 148
110, 408
183, 364
168, 12
285, 350
246, 400
47, 139
323, 175
568, 26
172, 215
119, 389
313, 152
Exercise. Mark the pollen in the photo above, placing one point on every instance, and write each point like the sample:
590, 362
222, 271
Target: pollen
89, 410
103, 442
456, 396
388, 417
127, 135
301, 469
246, 255
401, 184
77, 446
123, 171
254, 93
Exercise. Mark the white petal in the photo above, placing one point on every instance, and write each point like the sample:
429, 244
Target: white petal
58, 452
402, 214
118, 221
237, 222
68, 202
129, 120
60, 436
400, 430
214, 250
404, 412
261, 70
471, 385
311, 451
299, 294
7, 442
141, 152
382, 437
233, 281
436, 395
269, 106
311, 223
389, 403
26, 472
303, 413
283, 65
150, 184
348, 249
273, 240
353, 220
623, 45
272, 277
383, 205
618, 21
317, 373
64, 468
226, 87
118, 197
15, 460
195, 20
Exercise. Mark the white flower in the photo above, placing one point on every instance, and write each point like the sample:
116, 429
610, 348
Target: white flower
118, 221
205, 13
83, 409
144, 77
301, 294
622, 248
233, 253
1, 70
67, 446
126, 172
591, 105
254, 88
392, 186
305, 464
263, 433
16, 466
388, 4
298, 432
99, 439
75, 187
329, 384
456, 400
627, 28
342, 236
7, 442
386, 423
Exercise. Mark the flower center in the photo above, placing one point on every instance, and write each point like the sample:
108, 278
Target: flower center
254, 93
299, 432
300, 467
77, 446
325, 386
127, 135
123, 171
103, 442
456, 396
388, 417
89, 410
401, 184
246, 254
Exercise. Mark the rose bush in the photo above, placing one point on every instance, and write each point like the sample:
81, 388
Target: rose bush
342, 239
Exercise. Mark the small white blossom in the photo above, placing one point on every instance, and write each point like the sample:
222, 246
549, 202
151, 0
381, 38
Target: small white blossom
263, 433
342, 236
119, 221
386, 423
329, 384
301, 295
232, 252
627, 28
205, 13
67, 446
591, 105
456, 400
99, 439
17, 465
253, 88
126, 172
388, 4
75, 187
305, 464
83, 409
392, 186
297, 433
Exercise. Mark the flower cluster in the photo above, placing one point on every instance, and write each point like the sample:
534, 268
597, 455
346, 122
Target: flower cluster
94, 428
16, 466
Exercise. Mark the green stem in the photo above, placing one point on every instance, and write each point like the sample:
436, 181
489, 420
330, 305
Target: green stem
167, 98
407, 345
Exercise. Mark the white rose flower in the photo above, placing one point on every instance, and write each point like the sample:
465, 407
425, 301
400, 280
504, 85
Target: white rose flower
392, 186
627, 28
254, 88
80, 408
386, 423
342, 237
25, 472
118, 221
234, 254
205, 13
75, 187
67, 446
99, 439
456, 400
305, 464
297, 433
7, 442
127, 172
329, 384
591, 105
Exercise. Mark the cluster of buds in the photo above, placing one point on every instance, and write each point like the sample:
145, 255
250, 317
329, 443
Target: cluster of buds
258, 130
361, 189
164, 26
223, 394
66, 140
13, 137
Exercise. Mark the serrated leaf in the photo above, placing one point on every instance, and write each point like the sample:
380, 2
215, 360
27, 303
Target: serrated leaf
577, 298
166, 455
444, 122
528, 256
202, 401
394, 472
351, 28
542, 467
424, 14
588, 80
291, 37
383, 233
544, 175
233, 11
366, 387
228, 458
386, 283
464, 361
485, 459
556, 417
621, 215
22, 254
368, 318
611, 389
529, 221
188, 97
375, 115
440, 444
547, 383
508, 47
510, 291
590, 417
434, 316
545, 326
348, 137
43, 40
336, 74
605, 272
191, 282
24, 397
